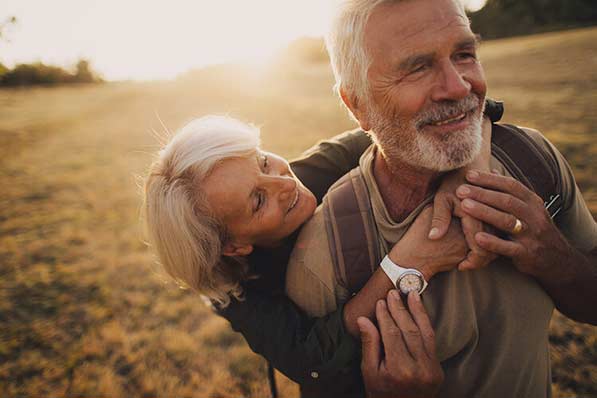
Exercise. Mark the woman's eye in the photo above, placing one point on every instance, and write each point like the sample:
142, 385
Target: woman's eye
260, 201
264, 162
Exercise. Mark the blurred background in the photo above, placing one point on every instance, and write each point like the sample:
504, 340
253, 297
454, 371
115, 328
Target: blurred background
86, 89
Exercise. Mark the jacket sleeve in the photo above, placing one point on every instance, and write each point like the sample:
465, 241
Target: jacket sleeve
307, 350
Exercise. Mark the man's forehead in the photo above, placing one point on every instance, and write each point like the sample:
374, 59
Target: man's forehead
409, 25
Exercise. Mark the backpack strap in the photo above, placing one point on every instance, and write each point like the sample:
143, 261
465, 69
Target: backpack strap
351, 230
529, 163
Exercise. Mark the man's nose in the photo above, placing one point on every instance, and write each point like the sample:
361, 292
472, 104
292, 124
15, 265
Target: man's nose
451, 84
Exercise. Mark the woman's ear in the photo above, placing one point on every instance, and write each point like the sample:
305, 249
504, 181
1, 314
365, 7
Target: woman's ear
358, 110
233, 249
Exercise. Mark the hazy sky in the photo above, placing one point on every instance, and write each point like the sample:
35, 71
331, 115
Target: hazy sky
155, 39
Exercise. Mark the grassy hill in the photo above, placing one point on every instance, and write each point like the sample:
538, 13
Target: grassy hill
83, 310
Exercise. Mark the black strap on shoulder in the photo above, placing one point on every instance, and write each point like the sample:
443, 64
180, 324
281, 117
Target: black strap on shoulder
529, 163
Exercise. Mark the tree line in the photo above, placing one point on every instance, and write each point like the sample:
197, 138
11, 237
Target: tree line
41, 74
504, 18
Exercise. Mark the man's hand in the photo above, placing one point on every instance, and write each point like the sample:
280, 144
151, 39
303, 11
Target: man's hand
499, 201
446, 204
535, 244
408, 366
416, 250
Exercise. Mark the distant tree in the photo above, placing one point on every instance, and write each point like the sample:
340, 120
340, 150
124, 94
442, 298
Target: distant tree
84, 74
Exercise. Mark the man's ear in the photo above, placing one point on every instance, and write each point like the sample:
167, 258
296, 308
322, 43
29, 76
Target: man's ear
233, 249
358, 109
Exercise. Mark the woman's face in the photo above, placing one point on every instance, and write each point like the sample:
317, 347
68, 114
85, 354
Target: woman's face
259, 200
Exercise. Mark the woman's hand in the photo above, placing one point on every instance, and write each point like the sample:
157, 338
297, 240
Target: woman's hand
416, 250
446, 204
408, 366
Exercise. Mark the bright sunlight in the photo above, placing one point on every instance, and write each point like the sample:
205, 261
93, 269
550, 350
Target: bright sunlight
155, 40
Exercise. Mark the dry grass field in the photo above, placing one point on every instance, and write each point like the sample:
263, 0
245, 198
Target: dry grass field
83, 311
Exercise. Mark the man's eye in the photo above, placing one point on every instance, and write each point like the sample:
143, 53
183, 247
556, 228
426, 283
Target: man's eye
418, 69
265, 162
467, 55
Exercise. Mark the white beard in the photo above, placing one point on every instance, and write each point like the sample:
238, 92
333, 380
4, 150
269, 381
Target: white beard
404, 141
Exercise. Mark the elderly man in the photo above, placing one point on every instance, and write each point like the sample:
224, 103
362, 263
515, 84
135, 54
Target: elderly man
408, 72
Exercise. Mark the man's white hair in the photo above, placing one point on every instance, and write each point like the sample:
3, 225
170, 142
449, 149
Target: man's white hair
345, 42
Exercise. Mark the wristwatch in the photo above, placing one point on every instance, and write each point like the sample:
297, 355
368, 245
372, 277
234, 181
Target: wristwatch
406, 280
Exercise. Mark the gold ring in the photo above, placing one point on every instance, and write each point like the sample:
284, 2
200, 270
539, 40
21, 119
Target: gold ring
517, 227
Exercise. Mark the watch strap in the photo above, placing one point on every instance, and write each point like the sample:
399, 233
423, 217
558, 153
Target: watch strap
392, 270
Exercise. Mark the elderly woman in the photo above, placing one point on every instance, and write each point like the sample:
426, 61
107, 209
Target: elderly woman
222, 216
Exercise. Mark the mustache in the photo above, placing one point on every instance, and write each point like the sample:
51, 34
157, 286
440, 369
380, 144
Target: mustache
446, 110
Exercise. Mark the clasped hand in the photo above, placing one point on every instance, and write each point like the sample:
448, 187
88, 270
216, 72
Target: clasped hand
535, 245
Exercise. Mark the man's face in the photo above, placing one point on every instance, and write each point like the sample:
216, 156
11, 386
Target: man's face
427, 86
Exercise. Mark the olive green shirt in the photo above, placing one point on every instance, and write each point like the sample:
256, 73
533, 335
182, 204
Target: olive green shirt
491, 324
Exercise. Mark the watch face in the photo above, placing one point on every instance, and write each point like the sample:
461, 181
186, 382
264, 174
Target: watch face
409, 283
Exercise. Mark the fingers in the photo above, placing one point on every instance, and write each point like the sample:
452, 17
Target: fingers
500, 220
371, 346
408, 327
500, 246
477, 257
473, 260
443, 206
499, 200
500, 183
422, 320
391, 336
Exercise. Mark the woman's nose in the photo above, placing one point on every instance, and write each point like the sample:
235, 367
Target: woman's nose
283, 185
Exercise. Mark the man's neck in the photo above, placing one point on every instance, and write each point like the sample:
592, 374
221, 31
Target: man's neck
403, 187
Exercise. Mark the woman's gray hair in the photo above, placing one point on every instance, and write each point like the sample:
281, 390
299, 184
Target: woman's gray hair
345, 42
180, 224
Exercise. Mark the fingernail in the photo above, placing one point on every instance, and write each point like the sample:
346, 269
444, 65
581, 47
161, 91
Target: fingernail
394, 294
472, 174
416, 296
468, 204
434, 232
463, 190
495, 171
381, 303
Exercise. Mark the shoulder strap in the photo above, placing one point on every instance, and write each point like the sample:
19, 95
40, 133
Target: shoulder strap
351, 230
529, 163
